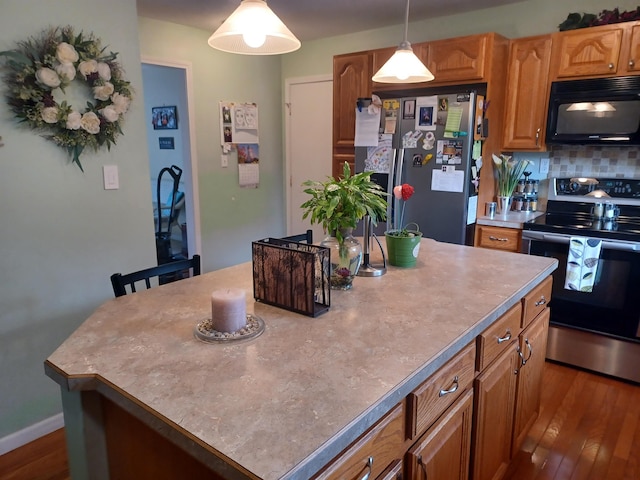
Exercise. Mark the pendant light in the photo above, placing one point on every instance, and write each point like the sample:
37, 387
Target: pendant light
403, 66
253, 29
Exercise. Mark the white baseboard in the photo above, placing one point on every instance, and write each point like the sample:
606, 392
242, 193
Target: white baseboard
29, 434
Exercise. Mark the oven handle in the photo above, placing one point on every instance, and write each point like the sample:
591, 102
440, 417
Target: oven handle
560, 238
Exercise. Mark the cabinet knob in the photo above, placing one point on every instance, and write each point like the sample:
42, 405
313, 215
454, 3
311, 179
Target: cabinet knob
611, 65
632, 63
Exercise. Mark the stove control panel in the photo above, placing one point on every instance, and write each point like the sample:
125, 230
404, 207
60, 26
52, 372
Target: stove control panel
614, 187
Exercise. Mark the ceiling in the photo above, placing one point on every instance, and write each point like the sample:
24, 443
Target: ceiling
313, 19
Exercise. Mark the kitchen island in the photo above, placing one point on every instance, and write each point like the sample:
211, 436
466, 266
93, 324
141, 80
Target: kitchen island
284, 404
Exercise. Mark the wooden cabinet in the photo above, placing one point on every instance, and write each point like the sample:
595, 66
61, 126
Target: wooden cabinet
461, 59
498, 238
608, 50
443, 451
532, 350
351, 80
374, 452
527, 93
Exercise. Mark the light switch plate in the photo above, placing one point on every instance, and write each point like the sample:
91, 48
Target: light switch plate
110, 174
224, 160
544, 165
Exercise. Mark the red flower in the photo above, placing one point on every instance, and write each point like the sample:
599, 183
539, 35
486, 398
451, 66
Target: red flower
403, 191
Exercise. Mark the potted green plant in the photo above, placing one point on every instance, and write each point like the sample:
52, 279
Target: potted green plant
338, 205
508, 172
403, 243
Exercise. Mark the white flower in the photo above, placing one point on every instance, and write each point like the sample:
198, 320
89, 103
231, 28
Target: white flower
87, 67
48, 77
90, 122
120, 102
66, 53
66, 71
104, 71
73, 120
103, 92
50, 114
110, 113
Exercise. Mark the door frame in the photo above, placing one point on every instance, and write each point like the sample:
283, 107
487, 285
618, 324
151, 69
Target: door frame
194, 240
289, 82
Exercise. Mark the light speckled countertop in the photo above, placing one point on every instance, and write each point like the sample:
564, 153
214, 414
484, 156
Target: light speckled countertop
510, 220
284, 404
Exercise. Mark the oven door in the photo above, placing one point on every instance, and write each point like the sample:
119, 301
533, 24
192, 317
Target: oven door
613, 307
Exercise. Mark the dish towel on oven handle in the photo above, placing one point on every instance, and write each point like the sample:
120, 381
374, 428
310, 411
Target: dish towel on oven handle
582, 263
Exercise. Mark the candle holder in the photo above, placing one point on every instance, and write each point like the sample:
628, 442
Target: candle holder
254, 328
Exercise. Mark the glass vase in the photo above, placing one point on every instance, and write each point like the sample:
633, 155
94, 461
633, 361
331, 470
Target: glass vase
346, 257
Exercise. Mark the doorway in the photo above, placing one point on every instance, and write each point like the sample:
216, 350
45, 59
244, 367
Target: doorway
308, 130
167, 86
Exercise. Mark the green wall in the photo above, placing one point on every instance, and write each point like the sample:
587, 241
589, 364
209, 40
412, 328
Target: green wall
62, 235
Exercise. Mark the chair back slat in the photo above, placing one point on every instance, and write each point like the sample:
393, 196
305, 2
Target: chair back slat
171, 271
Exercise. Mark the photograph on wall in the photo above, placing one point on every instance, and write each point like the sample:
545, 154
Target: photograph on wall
226, 127
164, 118
248, 153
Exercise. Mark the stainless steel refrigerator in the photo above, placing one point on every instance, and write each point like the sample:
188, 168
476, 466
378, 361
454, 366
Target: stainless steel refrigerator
433, 143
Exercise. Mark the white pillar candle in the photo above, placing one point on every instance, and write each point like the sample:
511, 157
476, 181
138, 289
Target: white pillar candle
228, 310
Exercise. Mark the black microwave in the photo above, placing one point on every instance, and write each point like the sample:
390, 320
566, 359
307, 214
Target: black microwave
595, 111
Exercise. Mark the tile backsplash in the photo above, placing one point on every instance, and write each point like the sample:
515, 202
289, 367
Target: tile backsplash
596, 161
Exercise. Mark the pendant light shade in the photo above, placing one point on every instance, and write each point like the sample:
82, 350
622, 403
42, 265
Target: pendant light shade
403, 66
253, 29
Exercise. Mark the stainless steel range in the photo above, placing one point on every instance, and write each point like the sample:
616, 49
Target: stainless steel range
598, 330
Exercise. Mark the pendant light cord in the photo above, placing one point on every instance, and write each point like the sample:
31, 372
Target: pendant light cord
406, 24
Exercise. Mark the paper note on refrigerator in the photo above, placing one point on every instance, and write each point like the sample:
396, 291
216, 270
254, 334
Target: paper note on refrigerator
447, 180
454, 118
367, 126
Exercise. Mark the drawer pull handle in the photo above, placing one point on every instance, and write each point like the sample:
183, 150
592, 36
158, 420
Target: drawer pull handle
498, 239
369, 467
453, 388
506, 337
523, 361
542, 301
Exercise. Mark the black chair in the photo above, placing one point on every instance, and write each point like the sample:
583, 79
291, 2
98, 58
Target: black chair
166, 273
302, 237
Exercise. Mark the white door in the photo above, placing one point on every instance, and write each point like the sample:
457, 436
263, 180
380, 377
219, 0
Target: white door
309, 110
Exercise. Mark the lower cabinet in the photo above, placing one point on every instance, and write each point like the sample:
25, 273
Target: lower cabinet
467, 419
443, 451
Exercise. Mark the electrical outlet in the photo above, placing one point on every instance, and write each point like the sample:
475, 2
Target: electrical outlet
544, 165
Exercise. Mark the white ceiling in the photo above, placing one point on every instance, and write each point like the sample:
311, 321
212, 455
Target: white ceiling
312, 19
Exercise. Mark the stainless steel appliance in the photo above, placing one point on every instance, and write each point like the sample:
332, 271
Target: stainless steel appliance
430, 147
597, 330
595, 111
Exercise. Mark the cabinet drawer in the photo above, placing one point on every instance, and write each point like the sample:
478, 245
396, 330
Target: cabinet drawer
536, 301
383, 444
498, 337
498, 238
427, 402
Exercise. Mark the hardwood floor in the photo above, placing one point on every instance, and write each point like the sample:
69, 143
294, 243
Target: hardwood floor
588, 429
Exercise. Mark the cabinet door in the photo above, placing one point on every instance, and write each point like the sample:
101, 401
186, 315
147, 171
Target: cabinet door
533, 350
458, 59
443, 451
494, 393
526, 96
633, 57
589, 52
351, 80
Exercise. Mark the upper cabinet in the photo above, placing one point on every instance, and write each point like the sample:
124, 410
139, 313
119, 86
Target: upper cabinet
459, 59
351, 80
527, 93
608, 50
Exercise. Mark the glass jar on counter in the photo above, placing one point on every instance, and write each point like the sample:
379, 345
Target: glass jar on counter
520, 186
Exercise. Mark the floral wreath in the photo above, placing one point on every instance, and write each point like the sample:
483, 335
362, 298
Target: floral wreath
40, 66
